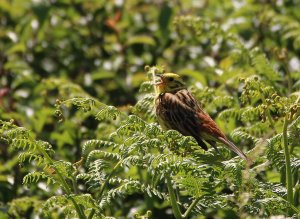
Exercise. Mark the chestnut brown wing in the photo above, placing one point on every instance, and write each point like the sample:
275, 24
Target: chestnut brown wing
204, 121
209, 131
208, 126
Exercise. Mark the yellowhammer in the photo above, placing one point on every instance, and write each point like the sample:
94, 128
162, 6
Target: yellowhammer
177, 109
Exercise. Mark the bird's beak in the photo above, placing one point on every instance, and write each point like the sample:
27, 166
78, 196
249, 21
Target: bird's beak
161, 81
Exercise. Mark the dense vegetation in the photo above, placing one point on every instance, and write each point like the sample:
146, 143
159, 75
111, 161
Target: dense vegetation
78, 133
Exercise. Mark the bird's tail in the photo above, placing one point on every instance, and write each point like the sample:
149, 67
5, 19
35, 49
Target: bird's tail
235, 149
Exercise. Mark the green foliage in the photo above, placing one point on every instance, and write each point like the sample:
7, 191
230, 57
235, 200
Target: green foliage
22, 206
78, 132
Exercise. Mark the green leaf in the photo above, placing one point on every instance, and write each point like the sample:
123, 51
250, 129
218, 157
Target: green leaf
141, 39
99, 75
197, 75
164, 20
19, 47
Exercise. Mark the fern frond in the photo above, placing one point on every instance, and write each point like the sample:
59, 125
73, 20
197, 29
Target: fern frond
270, 197
223, 101
295, 165
65, 168
133, 160
250, 114
86, 200
289, 26
98, 166
145, 107
46, 146
293, 132
96, 154
146, 87
96, 144
274, 152
239, 135
127, 187
56, 202
34, 177
235, 113
66, 88
235, 171
24, 144
152, 130
130, 126
15, 132
193, 186
108, 112
166, 165
96, 174
30, 157
83, 103
31, 145
18, 206
263, 66
257, 129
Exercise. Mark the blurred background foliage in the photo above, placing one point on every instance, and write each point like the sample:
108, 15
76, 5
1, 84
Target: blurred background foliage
59, 49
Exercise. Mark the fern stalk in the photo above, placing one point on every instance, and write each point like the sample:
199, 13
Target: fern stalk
289, 78
173, 200
108, 178
296, 195
148, 200
188, 211
79, 210
288, 171
63, 182
91, 215
268, 113
65, 185
290, 82
290, 206
153, 80
74, 185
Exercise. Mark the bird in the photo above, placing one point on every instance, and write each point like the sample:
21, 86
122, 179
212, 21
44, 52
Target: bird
177, 109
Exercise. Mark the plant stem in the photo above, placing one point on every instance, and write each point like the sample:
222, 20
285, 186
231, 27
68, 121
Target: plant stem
74, 185
147, 198
188, 211
64, 185
268, 112
51, 162
288, 171
289, 77
79, 210
153, 79
108, 178
271, 121
174, 203
296, 194
290, 206
91, 214
104, 185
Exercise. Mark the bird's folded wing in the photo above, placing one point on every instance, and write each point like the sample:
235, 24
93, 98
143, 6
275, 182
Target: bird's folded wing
208, 127
182, 118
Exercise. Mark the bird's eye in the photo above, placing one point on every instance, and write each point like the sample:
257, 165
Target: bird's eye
171, 79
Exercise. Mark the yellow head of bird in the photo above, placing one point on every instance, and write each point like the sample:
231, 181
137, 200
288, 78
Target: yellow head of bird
170, 82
